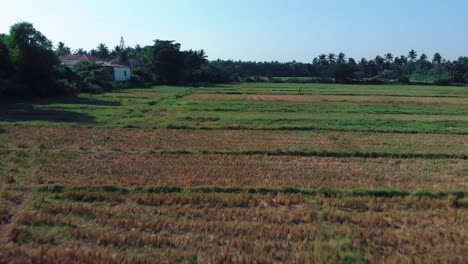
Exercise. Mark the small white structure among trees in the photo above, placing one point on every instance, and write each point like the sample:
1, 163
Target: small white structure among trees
122, 73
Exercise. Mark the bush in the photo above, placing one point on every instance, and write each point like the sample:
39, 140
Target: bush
141, 78
403, 80
91, 88
373, 81
64, 86
442, 81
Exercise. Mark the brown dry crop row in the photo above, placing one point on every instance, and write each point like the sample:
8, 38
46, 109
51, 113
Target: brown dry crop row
255, 228
128, 140
87, 254
396, 230
285, 224
125, 215
127, 169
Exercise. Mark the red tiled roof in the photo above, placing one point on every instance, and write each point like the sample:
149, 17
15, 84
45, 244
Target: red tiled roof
72, 60
80, 58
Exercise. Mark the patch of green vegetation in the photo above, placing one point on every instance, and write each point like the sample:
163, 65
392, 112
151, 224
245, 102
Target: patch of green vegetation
171, 109
43, 234
342, 124
259, 108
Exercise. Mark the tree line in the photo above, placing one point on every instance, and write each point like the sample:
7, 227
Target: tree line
332, 68
164, 62
30, 66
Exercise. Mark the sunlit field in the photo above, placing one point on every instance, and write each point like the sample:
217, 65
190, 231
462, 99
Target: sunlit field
252, 172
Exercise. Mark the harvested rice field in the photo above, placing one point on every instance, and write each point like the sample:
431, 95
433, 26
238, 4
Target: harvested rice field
243, 173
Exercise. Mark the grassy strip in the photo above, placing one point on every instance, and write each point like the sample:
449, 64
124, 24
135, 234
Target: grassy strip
322, 191
279, 152
322, 153
310, 128
171, 99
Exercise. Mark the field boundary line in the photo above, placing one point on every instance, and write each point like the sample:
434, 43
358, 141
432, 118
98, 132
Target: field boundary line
322, 191
177, 127
321, 153
246, 128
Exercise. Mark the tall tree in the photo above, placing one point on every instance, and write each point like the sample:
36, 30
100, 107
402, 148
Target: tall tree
459, 70
341, 58
103, 51
322, 58
167, 61
388, 58
331, 58
6, 66
80, 51
403, 60
380, 62
62, 49
423, 57
34, 60
412, 55
437, 59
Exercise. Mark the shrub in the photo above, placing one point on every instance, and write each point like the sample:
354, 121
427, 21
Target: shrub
403, 80
443, 81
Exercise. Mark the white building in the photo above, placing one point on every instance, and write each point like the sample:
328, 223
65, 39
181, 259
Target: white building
122, 73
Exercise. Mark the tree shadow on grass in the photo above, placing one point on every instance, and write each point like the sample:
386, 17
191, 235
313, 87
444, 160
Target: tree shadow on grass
21, 111
75, 100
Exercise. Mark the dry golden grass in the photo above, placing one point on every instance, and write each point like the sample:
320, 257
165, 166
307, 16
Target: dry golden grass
86, 226
143, 169
402, 230
90, 139
214, 228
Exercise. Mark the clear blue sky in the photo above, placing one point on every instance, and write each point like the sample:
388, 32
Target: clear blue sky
254, 29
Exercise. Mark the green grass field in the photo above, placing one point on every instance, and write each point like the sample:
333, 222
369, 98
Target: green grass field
253, 172
173, 107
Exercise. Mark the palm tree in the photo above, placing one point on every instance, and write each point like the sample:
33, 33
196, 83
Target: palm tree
437, 59
331, 58
323, 59
341, 58
363, 62
423, 57
62, 49
103, 51
203, 56
316, 61
388, 58
94, 52
397, 62
380, 62
403, 60
412, 55
80, 52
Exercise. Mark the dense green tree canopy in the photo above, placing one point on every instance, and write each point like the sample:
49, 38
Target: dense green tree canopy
34, 62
